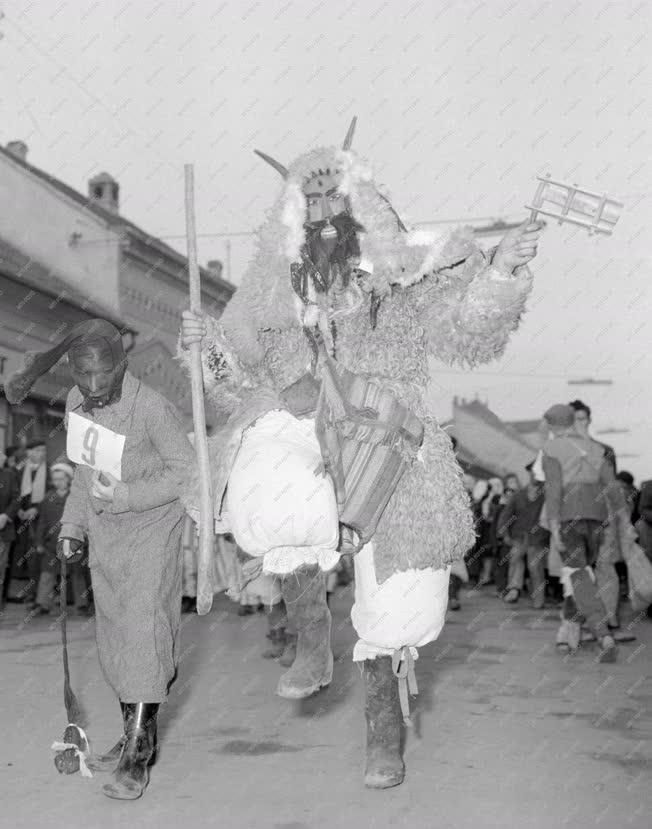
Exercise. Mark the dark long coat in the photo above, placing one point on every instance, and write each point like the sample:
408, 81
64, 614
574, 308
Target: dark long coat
135, 542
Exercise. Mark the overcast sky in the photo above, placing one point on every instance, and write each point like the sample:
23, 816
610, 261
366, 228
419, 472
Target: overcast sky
460, 106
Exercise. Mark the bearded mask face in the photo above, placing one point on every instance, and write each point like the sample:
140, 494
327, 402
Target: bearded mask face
327, 274
330, 228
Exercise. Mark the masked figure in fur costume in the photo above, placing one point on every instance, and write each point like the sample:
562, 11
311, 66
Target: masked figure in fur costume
341, 300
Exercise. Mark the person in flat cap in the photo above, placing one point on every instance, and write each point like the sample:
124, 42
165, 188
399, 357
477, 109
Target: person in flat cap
132, 452
581, 491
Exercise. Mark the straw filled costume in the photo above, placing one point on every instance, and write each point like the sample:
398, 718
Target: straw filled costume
321, 359
131, 451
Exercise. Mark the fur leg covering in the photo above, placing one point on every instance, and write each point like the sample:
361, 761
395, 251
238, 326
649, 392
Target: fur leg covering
385, 766
304, 593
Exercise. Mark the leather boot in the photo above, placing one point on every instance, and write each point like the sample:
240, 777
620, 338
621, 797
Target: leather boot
132, 773
304, 592
109, 761
385, 766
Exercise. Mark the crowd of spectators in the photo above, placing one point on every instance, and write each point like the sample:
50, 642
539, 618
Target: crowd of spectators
32, 498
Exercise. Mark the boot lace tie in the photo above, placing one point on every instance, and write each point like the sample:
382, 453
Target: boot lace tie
403, 669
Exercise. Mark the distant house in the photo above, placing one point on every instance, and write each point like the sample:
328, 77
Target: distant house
486, 445
528, 430
67, 256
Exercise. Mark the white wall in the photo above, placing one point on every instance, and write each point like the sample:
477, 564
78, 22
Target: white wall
38, 219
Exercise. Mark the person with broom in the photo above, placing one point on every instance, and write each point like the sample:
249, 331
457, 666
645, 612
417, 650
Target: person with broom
132, 452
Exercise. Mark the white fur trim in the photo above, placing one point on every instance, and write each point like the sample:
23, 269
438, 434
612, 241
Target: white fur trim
352, 171
366, 265
422, 236
284, 560
432, 243
311, 315
294, 214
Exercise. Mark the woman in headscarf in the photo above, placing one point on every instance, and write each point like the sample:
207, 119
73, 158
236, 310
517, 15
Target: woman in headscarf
132, 452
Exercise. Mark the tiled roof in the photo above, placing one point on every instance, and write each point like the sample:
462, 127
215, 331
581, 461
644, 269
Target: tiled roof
115, 220
477, 409
525, 427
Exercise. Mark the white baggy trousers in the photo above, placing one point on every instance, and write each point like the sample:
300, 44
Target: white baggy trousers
281, 506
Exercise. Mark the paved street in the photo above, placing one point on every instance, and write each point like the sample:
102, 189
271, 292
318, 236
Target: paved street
508, 733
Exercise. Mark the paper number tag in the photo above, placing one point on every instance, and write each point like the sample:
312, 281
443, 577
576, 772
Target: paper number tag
93, 445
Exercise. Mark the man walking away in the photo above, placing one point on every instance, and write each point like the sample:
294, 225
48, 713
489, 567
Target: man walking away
579, 479
609, 553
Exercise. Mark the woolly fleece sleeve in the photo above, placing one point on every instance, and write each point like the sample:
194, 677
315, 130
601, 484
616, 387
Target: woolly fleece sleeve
212, 360
470, 318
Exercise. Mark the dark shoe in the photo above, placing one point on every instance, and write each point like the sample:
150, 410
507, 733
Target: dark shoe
85, 610
277, 644
608, 650
385, 767
246, 610
624, 637
188, 604
109, 761
304, 592
138, 752
289, 651
454, 603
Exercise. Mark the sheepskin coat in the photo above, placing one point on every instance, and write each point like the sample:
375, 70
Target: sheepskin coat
440, 297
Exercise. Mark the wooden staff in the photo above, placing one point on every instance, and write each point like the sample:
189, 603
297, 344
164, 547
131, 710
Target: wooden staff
206, 525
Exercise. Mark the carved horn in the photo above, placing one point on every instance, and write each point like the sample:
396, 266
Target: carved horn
274, 163
349, 136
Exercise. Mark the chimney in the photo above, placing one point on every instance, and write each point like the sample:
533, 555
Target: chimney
18, 149
104, 190
215, 267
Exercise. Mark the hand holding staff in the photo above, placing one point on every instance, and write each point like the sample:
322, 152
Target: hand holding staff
206, 529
